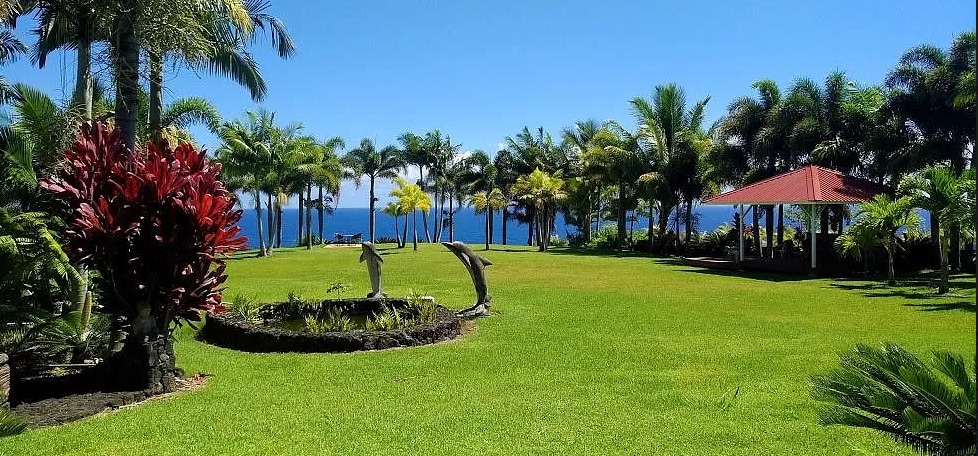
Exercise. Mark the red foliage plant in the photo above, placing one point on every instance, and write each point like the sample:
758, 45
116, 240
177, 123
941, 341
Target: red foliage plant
154, 222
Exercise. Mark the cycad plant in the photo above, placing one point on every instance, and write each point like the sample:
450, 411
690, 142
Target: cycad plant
929, 407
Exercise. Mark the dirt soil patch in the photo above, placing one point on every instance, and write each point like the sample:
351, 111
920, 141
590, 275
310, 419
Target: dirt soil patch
61, 410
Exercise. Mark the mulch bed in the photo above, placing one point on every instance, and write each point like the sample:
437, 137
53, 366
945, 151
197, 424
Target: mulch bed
61, 410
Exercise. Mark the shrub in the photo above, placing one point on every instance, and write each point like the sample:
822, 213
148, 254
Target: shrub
333, 320
154, 223
386, 319
386, 240
244, 308
424, 310
556, 241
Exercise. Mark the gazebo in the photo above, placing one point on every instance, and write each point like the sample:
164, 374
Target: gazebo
812, 186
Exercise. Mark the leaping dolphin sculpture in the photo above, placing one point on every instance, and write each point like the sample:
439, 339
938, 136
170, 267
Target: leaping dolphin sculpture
373, 260
476, 265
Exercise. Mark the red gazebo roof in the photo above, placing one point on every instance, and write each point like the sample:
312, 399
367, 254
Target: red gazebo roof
807, 185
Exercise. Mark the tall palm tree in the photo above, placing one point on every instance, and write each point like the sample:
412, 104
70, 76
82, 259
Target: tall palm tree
486, 202
669, 131
327, 174
543, 192
950, 198
395, 210
929, 407
615, 158
246, 153
411, 198
577, 141
884, 216
367, 161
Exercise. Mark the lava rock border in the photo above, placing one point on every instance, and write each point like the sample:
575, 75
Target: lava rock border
228, 331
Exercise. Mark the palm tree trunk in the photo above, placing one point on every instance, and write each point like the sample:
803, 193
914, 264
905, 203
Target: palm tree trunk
451, 218
689, 223
372, 202
127, 49
539, 231
664, 224
621, 216
404, 237
492, 225
298, 240
943, 287
488, 227
397, 230
890, 271
414, 225
261, 235
271, 225
586, 226
156, 96
278, 224
82, 96
505, 219
319, 210
529, 228
954, 254
308, 217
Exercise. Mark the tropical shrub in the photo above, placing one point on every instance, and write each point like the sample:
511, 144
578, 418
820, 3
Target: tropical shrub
929, 407
243, 307
386, 240
154, 223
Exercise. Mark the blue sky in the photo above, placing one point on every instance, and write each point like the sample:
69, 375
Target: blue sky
480, 71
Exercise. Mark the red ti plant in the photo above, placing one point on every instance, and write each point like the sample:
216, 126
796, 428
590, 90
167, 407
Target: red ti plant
154, 223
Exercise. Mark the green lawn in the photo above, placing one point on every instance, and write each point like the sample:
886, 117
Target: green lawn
588, 354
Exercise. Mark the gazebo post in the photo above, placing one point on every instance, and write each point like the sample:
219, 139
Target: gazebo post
740, 235
812, 230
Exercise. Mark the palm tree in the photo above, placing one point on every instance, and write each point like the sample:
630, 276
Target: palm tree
857, 242
394, 210
950, 199
615, 159
928, 407
327, 174
228, 29
32, 143
884, 216
415, 152
926, 82
367, 161
411, 198
486, 202
669, 131
543, 192
578, 141
247, 154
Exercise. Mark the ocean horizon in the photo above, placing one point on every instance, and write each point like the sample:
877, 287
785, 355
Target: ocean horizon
469, 226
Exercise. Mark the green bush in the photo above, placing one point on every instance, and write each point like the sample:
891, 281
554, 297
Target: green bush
243, 307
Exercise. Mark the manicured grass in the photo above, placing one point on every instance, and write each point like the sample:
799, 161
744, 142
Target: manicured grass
588, 354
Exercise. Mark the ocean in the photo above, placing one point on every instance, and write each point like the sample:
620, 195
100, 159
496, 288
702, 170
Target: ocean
469, 226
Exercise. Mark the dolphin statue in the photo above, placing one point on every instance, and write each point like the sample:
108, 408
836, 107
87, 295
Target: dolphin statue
476, 265
373, 260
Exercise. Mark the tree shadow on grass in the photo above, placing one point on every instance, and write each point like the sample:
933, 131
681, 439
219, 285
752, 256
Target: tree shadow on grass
610, 253
764, 276
967, 306
921, 287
